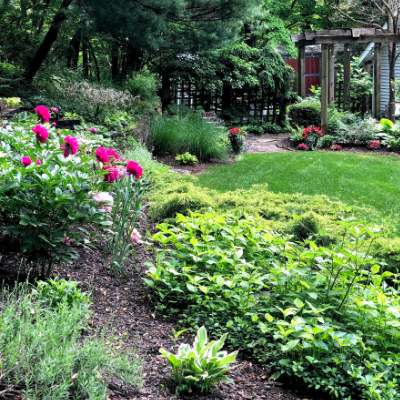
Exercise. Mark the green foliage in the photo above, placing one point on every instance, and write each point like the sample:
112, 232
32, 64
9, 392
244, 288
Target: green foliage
60, 293
326, 141
126, 211
326, 316
262, 127
59, 354
297, 138
237, 140
306, 226
12, 101
201, 366
186, 159
188, 133
305, 114
46, 206
145, 85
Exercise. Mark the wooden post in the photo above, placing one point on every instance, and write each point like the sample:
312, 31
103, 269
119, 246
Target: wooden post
335, 84
377, 78
367, 68
302, 72
324, 89
165, 90
331, 74
346, 76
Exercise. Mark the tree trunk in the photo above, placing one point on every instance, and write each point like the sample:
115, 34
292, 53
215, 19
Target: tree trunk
114, 62
48, 41
165, 90
85, 61
392, 79
73, 50
226, 96
95, 62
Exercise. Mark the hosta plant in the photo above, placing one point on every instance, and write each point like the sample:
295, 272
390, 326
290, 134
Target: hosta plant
201, 366
187, 159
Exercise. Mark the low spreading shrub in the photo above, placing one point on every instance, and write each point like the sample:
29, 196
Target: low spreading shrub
325, 316
186, 159
172, 135
51, 354
306, 226
145, 85
326, 142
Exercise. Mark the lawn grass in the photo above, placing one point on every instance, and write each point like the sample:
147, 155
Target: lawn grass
356, 179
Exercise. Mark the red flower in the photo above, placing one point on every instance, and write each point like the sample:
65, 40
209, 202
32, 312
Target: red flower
112, 155
112, 174
26, 161
43, 113
41, 133
135, 169
101, 155
70, 146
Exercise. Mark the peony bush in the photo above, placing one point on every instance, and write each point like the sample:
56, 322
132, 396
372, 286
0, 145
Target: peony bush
49, 191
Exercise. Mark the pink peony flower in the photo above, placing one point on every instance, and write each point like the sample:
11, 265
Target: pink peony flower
38, 162
121, 171
41, 133
112, 175
103, 196
43, 113
85, 129
101, 154
70, 145
54, 124
135, 236
112, 155
67, 240
55, 109
135, 169
94, 130
58, 132
26, 161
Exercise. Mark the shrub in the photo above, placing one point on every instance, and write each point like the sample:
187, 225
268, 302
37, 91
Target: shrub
296, 139
306, 226
57, 361
145, 85
187, 159
305, 114
188, 133
201, 366
237, 140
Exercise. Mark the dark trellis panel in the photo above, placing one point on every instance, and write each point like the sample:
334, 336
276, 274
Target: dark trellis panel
256, 102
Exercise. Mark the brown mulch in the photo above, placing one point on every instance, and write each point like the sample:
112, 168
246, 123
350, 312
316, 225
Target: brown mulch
287, 144
125, 302
191, 169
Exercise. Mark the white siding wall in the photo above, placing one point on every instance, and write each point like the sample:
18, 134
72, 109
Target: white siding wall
385, 76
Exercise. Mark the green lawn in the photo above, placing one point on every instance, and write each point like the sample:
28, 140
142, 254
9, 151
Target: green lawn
365, 179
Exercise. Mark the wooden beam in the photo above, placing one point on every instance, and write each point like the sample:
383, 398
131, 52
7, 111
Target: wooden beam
324, 89
331, 74
385, 38
297, 38
377, 78
357, 32
346, 76
302, 72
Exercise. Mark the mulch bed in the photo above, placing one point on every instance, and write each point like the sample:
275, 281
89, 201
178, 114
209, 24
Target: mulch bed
287, 144
192, 169
126, 304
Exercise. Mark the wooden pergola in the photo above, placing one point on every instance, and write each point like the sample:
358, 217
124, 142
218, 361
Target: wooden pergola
327, 39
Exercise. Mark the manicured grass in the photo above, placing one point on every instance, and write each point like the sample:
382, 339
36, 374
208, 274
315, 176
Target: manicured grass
365, 180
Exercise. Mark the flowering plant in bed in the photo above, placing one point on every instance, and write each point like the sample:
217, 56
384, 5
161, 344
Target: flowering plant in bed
236, 137
373, 146
311, 135
335, 147
45, 185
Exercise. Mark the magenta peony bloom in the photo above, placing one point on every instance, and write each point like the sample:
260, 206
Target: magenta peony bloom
94, 130
54, 124
58, 132
38, 162
55, 109
103, 196
112, 155
134, 168
112, 173
70, 145
41, 133
26, 161
85, 129
43, 113
101, 154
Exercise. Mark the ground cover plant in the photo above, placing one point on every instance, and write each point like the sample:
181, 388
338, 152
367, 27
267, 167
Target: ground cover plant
325, 316
173, 135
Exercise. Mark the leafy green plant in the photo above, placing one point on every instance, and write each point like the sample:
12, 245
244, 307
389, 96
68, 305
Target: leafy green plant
12, 101
59, 293
305, 114
202, 366
186, 159
237, 139
326, 141
60, 355
297, 138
